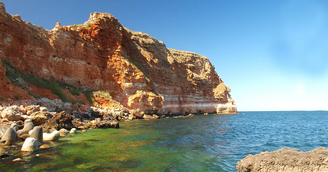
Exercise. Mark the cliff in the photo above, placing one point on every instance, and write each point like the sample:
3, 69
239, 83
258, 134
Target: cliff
103, 63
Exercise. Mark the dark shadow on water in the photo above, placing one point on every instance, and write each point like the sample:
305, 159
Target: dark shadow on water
80, 145
170, 168
92, 140
104, 168
131, 163
78, 160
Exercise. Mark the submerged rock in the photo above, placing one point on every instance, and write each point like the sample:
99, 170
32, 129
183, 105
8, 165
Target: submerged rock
37, 133
30, 145
63, 132
28, 125
73, 131
44, 146
52, 136
3, 153
9, 137
150, 116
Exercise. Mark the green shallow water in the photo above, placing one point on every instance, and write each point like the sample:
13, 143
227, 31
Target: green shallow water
136, 146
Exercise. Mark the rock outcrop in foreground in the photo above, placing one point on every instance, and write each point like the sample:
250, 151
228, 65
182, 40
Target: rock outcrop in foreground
286, 160
103, 63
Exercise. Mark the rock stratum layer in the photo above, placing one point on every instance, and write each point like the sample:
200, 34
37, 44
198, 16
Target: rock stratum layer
286, 160
104, 63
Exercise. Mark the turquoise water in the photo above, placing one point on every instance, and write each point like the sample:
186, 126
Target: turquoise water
200, 143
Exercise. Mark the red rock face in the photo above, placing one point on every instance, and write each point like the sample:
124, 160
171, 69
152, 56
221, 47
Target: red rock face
137, 70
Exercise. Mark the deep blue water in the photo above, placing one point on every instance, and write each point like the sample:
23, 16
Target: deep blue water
201, 143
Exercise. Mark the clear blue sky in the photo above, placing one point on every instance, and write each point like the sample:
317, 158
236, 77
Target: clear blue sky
273, 54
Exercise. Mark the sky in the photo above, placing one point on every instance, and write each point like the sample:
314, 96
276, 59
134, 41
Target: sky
272, 54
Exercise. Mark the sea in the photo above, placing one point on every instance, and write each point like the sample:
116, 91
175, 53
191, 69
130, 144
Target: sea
199, 143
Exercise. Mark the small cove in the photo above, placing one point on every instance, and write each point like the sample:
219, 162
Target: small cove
200, 143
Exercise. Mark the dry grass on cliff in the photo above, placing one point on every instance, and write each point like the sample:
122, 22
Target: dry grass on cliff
19, 78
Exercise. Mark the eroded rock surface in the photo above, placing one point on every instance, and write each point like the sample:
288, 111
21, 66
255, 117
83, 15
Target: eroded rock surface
108, 65
286, 160
59, 121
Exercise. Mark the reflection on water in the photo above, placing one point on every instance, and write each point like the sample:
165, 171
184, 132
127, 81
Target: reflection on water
201, 143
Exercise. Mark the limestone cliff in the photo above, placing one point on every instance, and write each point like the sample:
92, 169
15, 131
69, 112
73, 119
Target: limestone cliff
104, 63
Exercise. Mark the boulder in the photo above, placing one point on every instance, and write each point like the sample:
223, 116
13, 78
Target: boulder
43, 109
51, 136
14, 126
191, 115
67, 107
24, 136
86, 115
44, 146
106, 124
28, 125
80, 123
22, 109
76, 108
63, 132
32, 108
73, 131
45, 102
76, 114
117, 114
59, 105
131, 116
103, 113
3, 153
285, 159
9, 137
150, 116
60, 120
40, 117
30, 145
18, 160
95, 114
11, 113
85, 108
2, 130
139, 114
37, 133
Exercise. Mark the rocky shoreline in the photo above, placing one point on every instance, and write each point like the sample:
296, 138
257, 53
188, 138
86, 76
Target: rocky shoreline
44, 120
286, 159
47, 120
